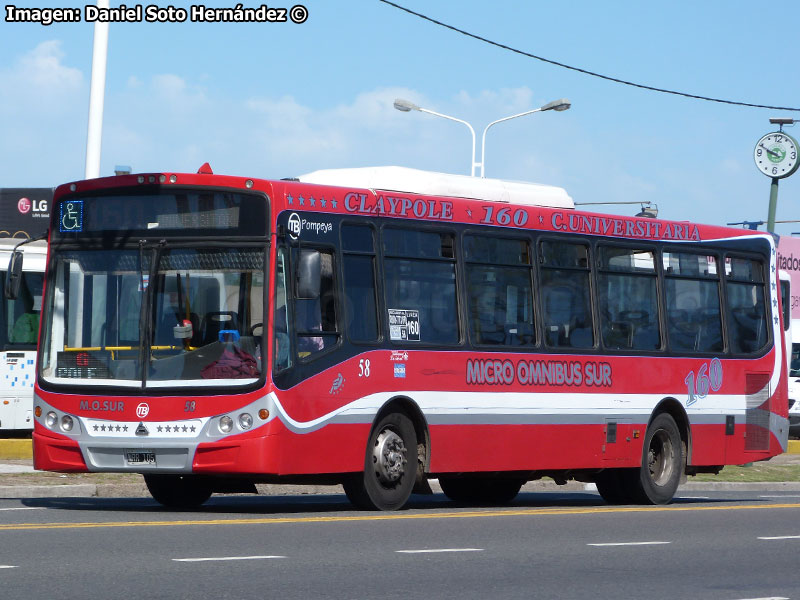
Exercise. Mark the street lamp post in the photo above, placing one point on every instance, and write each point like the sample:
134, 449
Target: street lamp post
94, 133
557, 105
406, 106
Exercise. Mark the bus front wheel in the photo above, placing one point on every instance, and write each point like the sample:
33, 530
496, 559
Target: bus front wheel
390, 466
177, 491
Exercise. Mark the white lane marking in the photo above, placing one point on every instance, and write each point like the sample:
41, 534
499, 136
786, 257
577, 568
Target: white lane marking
780, 496
629, 544
225, 558
693, 497
435, 550
781, 537
24, 508
8, 566
767, 598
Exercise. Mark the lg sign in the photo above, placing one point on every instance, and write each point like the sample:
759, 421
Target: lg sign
24, 206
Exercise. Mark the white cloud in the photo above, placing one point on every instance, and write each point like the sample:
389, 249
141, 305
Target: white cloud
44, 110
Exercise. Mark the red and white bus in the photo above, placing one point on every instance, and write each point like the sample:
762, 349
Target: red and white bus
212, 332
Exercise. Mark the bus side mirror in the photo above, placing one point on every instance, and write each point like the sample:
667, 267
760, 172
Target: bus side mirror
14, 275
309, 274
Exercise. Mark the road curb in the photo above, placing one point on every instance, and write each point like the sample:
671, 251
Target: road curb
16, 449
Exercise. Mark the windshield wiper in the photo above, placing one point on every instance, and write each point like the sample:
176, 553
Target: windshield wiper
145, 313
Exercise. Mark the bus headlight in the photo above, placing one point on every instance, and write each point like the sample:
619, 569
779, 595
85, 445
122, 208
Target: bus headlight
225, 424
245, 421
66, 423
51, 419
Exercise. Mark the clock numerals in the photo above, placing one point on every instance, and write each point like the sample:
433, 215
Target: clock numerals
775, 155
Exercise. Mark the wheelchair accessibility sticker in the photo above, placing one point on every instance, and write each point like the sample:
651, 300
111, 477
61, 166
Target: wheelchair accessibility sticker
71, 216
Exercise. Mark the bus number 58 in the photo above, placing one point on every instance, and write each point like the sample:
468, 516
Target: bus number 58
363, 368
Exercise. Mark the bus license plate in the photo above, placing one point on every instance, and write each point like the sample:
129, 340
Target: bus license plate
140, 457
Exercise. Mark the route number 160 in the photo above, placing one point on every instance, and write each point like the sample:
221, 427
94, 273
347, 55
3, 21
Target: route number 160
709, 378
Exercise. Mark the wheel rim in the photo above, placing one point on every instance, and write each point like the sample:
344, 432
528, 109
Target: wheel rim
389, 458
660, 458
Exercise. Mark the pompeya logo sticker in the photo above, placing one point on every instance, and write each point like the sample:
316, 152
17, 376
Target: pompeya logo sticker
296, 224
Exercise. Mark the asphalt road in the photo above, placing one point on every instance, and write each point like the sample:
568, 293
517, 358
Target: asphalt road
726, 546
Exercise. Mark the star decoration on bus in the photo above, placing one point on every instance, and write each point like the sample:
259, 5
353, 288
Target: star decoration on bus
109, 428
311, 200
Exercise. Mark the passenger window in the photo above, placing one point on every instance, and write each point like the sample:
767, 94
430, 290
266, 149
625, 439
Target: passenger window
566, 295
627, 295
361, 309
499, 291
694, 319
747, 319
420, 286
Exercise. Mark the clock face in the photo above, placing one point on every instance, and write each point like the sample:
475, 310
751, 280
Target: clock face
776, 155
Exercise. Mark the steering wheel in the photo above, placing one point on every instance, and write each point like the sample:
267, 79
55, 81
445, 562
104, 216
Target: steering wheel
251, 332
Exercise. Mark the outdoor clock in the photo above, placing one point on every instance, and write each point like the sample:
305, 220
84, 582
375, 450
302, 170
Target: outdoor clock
776, 155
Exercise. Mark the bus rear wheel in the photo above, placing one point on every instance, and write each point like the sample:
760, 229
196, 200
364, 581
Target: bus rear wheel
656, 481
177, 491
662, 461
390, 466
481, 490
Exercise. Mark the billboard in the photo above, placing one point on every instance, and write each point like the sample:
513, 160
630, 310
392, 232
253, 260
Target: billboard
24, 212
789, 261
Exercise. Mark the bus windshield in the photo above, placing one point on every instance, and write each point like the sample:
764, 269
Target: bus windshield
155, 316
21, 316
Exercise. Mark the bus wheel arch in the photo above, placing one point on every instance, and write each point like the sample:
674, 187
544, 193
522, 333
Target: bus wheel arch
678, 413
663, 462
391, 458
411, 409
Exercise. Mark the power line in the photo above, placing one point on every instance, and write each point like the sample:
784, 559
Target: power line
584, 71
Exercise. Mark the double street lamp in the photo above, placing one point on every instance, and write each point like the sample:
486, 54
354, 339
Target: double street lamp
406, 106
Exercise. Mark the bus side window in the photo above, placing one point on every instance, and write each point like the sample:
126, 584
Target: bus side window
694, 319
566, 296
747, 318
421, 279
358, 266
499, 291
628, 297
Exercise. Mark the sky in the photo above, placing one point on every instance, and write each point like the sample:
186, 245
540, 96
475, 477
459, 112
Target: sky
274, 100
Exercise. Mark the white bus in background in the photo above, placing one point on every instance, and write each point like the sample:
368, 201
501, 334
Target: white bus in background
794, 381
19, 329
